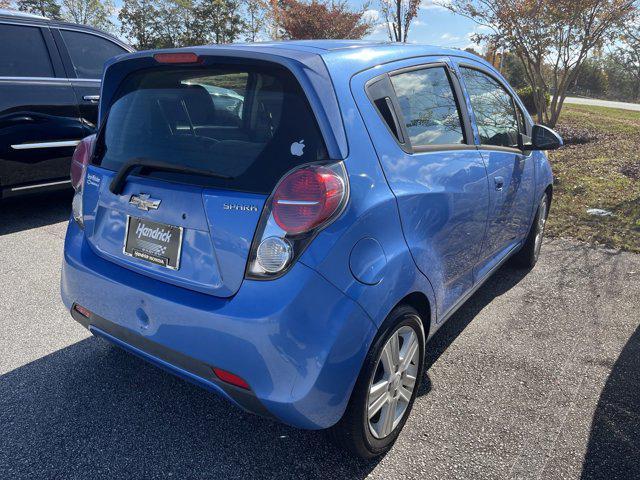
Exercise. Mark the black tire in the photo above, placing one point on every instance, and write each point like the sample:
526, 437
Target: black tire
528, 255
353, 432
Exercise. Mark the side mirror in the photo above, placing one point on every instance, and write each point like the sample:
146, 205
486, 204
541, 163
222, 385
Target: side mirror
544, 138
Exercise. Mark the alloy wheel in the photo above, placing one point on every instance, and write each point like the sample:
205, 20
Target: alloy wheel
393, 381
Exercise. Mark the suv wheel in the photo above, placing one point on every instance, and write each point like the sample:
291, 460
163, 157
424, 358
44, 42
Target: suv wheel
386, 388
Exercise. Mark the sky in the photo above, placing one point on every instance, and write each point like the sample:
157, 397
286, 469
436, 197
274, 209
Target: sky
434, 25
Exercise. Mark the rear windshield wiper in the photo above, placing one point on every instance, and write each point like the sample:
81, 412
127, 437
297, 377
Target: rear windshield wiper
118, 182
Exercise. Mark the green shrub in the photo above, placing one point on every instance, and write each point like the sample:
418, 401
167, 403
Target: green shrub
526, 95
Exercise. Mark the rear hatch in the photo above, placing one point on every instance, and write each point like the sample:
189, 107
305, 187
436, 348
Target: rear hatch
203, 147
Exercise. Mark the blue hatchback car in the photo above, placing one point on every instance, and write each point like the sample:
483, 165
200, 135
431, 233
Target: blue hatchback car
293, 242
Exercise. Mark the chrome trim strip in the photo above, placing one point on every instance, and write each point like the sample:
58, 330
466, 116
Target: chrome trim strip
46, 23
26, 21
51, 79
109, 38
60, 80
31, 146
40, 185
296, 202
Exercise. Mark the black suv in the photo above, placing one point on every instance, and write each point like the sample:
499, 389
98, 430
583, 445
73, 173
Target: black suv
49, 89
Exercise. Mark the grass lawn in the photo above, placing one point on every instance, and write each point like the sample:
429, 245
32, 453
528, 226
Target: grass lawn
602, 173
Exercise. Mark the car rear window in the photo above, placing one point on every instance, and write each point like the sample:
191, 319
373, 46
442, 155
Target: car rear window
252, 124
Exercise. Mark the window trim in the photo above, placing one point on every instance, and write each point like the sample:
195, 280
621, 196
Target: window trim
394, 108
456, 89
516, 104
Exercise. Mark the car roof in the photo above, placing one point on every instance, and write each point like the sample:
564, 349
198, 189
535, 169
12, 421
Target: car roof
15, 16
354, 55
4, 12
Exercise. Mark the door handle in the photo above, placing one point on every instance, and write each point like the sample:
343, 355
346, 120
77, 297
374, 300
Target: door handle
91, 98
499, 182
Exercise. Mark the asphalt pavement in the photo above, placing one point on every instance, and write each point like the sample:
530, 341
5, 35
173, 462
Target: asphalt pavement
536, 377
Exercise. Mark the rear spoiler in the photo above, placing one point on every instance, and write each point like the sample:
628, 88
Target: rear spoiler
308, 68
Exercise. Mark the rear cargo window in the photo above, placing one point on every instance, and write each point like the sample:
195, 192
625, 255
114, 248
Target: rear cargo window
252, 124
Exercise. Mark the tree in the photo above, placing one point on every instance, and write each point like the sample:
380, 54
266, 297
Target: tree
321, 19
552, 38
591, 79
398, 15
513, 70
45, 8
178, 23
219, 21
627, 57
174, 25
89, 12
138, 23
256, 17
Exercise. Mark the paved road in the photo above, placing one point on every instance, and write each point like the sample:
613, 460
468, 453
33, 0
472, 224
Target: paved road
603, 103
538, 376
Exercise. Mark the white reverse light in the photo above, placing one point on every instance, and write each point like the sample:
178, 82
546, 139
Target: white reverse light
273, 254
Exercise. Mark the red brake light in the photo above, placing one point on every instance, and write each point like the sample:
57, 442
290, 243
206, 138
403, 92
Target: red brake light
229, 377
306, 198
80, 160
182, 57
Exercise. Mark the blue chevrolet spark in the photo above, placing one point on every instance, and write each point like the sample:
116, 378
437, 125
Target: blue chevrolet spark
287, 224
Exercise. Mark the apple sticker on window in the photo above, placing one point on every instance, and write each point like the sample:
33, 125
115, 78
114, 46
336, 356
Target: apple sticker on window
297, 148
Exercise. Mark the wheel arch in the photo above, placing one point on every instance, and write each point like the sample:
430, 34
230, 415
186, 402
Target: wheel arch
420, 302
549, 192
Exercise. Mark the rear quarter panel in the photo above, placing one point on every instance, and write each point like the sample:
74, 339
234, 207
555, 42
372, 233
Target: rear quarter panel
371, 213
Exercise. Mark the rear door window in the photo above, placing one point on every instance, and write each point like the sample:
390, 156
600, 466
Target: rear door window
25, 53
252, 124
89, 52
429, 107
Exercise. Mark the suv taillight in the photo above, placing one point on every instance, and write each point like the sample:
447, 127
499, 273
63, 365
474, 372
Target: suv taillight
79, 163
304, 202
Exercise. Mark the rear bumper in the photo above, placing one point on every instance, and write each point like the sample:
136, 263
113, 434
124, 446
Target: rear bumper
298, 341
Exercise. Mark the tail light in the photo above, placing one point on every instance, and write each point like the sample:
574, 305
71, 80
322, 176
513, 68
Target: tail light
306, 198
79, 163
304, 202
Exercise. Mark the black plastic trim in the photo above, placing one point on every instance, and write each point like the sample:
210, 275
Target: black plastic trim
245, 398
64, 54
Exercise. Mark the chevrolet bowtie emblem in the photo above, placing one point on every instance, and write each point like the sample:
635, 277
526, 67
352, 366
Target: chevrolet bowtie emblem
144, 202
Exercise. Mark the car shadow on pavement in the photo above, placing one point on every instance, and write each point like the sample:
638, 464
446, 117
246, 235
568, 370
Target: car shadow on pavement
33, 211
91, 411
614, 443
501, 282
